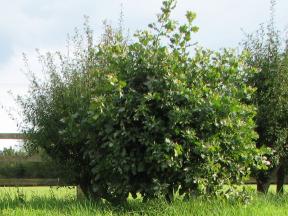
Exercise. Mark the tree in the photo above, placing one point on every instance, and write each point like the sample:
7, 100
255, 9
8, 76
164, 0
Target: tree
270, 57
146, 116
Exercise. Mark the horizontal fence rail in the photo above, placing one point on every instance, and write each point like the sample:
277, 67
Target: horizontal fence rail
12, 136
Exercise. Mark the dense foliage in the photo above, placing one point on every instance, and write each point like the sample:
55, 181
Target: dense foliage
145, 116
269, 55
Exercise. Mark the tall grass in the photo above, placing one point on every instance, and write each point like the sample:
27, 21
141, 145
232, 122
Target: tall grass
54, 202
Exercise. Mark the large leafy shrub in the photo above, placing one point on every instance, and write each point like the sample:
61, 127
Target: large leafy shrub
145, 116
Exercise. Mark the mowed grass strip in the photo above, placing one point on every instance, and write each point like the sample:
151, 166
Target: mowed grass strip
62, 201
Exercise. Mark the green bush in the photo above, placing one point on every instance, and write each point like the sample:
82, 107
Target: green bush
145, 115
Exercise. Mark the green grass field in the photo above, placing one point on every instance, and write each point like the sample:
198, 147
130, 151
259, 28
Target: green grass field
62, 201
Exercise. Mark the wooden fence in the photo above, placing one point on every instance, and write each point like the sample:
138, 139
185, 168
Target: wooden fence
9, 182
18, 136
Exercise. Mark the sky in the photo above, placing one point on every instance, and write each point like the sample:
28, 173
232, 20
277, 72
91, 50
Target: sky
26, 25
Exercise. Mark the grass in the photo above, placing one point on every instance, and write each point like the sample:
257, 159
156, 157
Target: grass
52, 201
